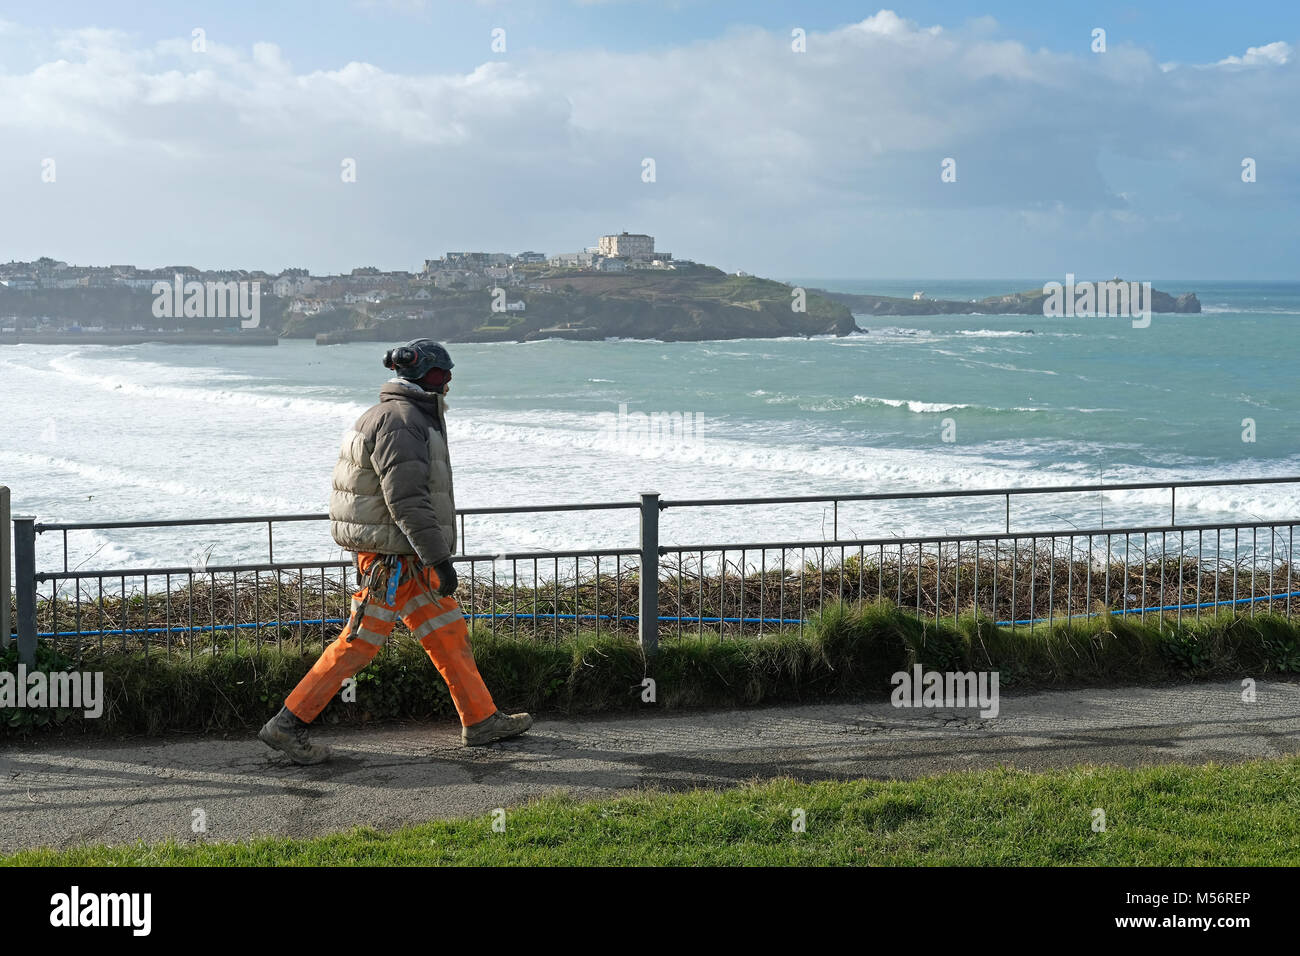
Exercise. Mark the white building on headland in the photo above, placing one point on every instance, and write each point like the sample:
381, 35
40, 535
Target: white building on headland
636, 247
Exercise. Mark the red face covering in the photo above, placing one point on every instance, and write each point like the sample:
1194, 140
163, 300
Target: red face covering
435, 380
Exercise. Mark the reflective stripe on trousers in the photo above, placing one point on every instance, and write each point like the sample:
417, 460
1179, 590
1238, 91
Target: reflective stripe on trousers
437, 623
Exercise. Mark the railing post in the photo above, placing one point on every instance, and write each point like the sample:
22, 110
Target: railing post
25, 582
648, 610
6, 553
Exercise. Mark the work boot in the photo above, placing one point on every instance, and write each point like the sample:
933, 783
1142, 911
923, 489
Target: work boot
286, 733
497, 727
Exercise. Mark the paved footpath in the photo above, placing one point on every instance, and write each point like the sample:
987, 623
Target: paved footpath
67, 793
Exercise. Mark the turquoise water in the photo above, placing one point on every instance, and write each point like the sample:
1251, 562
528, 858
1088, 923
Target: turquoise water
166, 431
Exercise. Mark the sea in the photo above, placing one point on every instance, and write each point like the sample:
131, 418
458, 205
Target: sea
97, 434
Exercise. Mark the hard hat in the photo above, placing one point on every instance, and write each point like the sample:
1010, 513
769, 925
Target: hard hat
413, 360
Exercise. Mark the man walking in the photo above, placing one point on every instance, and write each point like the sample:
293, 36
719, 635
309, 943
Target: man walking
392, 503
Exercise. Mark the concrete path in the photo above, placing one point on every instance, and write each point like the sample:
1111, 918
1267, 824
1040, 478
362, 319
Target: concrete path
69, 793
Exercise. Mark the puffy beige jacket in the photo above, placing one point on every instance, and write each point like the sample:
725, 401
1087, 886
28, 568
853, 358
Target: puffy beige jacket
392, 489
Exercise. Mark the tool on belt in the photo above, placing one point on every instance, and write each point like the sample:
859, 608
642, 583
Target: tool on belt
385, 577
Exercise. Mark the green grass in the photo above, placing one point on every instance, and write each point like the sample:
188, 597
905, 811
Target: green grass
1244, 814
846, 653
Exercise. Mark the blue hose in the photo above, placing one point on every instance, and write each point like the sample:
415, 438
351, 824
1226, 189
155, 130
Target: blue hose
1151, 610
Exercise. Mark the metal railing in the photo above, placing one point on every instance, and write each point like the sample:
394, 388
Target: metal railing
1023, 578
6, 572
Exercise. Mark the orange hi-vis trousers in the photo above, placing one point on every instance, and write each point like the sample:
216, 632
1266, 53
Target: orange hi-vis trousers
436, 622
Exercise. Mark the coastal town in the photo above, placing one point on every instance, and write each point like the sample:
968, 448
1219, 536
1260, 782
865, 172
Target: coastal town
621, 287
364, 289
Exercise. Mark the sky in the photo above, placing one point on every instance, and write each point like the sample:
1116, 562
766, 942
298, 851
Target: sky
785, 139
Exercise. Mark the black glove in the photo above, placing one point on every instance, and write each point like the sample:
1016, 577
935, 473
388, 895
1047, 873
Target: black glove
447, 579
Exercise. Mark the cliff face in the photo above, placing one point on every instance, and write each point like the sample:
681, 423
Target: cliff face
594, 318
703, 304
691, 305
685, 321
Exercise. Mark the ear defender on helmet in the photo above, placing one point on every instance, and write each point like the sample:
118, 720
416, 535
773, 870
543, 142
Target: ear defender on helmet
400, 358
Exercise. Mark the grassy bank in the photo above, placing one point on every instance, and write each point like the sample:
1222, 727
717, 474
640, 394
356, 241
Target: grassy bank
1245, 814
847, 652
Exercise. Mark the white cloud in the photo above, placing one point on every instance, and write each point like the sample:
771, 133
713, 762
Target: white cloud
1271, 54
